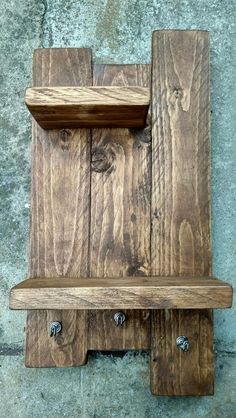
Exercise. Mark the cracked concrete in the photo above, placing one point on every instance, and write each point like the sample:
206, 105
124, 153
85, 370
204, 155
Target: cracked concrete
118, 31
106, 387
42, 24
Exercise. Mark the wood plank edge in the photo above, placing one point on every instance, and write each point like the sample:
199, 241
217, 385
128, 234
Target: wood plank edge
121, 298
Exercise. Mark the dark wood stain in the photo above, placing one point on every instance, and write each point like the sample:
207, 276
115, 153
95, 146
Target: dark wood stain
180, 236
60, 212
114, 202
115, 244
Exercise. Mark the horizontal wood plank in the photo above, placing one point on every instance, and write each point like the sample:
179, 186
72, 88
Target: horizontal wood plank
77, 107
123, 293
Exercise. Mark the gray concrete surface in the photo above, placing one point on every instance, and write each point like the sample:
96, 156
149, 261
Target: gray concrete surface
119, 32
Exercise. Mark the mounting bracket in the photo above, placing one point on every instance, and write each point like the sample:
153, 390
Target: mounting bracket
120, 237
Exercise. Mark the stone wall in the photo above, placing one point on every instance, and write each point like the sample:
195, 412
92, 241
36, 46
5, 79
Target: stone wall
118, 31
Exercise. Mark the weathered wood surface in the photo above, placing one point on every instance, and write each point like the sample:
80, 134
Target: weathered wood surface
79, 107
180, 238
122, 293
120, 189
52, 241
104, 334
112, 210
120, 212
60, 212
178, 373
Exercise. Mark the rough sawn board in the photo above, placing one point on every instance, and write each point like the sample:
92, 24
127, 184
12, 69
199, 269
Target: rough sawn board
60, 212
181, 241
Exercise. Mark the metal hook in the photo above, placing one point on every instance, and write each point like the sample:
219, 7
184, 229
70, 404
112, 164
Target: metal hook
182, 343
119, 318
55, 328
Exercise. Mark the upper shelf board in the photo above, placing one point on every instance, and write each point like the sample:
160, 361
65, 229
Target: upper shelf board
88, 107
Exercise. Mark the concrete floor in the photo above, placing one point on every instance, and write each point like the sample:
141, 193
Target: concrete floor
119, 31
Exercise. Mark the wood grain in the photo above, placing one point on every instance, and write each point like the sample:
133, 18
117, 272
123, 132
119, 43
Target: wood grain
79, 107
120, 211
180, 237
104, 334
103, 225
60, 212
178, 373
121, 293
120, 189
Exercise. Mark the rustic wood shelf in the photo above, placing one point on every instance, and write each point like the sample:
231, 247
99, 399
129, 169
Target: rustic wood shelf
122, 293
88, 107
128, 207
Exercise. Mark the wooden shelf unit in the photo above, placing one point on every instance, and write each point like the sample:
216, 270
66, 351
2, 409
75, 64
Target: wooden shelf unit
120, 217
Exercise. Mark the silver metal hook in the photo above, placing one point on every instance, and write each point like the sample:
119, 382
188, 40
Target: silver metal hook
182, 343
55, 328
119, 318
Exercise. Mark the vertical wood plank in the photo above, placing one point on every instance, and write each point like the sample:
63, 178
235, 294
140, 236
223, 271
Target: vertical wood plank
180, 236
104, 335
60, 212
120, 212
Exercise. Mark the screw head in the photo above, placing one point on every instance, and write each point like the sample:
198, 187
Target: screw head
182, 343
119, 318
55, 328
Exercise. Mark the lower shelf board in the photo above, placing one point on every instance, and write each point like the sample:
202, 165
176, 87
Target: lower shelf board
121, 293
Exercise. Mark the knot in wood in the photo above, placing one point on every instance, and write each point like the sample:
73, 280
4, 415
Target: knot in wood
141, 136
65, 134
102, 160
178, 92
135, 269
